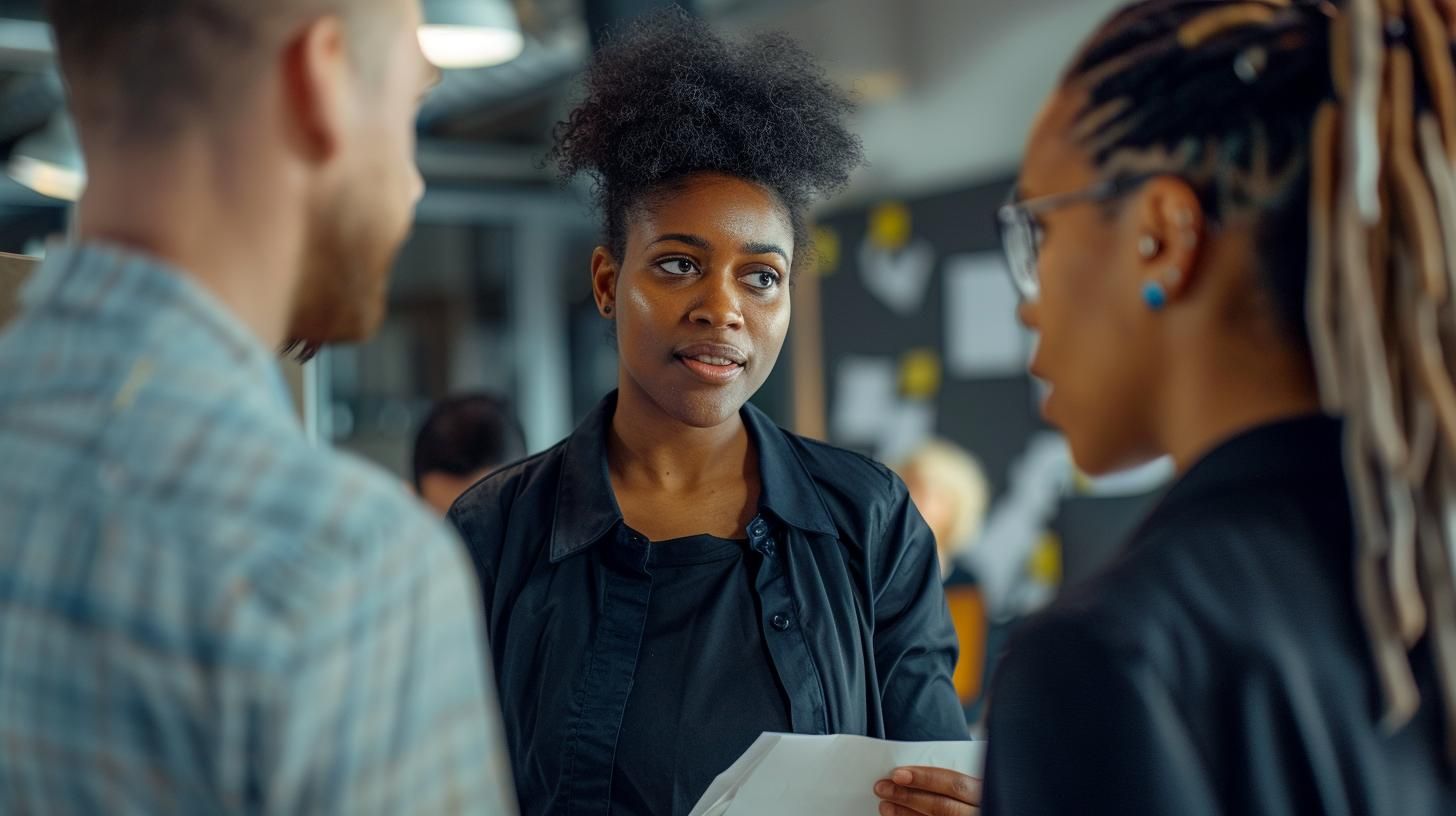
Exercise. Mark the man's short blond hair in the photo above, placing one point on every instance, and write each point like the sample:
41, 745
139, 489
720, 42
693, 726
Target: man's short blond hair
140, 68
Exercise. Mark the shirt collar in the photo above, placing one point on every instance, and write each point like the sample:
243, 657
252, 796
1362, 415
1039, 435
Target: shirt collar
1308, 450
586, 505
102, 282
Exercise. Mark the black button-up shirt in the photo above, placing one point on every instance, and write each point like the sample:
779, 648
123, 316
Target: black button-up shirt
851, 607
1221, 666
703, 615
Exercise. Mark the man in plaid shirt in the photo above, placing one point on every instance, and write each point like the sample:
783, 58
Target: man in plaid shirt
199, 612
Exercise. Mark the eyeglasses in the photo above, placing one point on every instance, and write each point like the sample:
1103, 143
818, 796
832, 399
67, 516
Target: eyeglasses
1022, 232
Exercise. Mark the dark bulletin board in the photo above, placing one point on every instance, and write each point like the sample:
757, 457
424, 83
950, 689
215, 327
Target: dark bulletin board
993, 418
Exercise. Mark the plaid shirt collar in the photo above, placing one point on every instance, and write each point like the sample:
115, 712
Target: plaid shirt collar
104, 282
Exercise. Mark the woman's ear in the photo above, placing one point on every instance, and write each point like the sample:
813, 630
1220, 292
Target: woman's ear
1171, 227
604, 282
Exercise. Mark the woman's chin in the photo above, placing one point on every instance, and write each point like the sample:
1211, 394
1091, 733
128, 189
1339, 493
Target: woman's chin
1095, 458
700, 410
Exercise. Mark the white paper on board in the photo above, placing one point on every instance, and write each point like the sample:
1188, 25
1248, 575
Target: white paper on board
910, 425
900, 279
865, 396
794, 774
983, 338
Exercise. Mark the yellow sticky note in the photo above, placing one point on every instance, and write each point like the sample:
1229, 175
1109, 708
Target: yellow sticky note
890, 226
920, 374
826, 251
1046, 561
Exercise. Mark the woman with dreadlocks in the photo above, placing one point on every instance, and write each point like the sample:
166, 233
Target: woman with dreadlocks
1235, 220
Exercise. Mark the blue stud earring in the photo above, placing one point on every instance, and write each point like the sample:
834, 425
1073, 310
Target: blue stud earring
1155, 295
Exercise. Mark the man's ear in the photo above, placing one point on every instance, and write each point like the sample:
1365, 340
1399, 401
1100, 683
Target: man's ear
316, 79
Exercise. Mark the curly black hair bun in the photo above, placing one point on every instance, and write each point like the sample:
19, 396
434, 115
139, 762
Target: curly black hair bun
668, 98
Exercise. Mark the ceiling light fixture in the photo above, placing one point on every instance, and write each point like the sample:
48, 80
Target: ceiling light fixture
471, 33
49, 161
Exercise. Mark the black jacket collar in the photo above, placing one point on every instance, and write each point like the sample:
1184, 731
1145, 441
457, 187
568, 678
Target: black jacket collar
1307, 450
586, 507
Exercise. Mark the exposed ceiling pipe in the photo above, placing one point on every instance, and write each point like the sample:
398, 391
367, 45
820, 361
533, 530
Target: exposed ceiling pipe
49, 161
28, 101
26, 45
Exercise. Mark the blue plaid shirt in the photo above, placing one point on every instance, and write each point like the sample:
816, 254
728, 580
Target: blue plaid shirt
200, 612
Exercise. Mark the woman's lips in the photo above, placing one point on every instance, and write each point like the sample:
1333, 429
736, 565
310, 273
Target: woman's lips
711, 369
714, 363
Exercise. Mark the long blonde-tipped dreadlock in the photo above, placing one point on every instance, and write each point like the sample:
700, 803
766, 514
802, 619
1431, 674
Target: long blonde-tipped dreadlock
1334, 122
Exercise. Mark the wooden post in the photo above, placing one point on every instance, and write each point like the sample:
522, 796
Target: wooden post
810, 417
14, 269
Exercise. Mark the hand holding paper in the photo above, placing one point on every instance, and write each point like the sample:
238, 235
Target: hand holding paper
929, 792
793, 774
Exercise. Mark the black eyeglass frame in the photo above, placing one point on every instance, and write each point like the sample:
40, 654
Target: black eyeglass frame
1021, 231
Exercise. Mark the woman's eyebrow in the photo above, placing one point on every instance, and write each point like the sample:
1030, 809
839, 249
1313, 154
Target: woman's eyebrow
753, 248
683, 238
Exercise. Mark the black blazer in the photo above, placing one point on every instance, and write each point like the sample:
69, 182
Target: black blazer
1221, 666
853, 613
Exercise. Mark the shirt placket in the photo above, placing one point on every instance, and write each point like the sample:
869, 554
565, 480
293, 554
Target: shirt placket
783, 632
590, 752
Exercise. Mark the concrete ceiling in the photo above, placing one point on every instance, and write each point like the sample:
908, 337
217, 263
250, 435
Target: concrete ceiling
948, 87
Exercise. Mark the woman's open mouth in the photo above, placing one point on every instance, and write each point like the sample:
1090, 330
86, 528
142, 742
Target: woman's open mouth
715, 365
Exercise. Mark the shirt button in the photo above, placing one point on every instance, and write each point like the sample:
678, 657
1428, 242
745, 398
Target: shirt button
781, 622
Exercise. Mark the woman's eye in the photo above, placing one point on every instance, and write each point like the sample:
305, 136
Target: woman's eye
678, 266
762, 279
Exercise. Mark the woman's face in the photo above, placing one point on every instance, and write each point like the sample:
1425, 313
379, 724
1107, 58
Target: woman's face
700, 296
1098, 348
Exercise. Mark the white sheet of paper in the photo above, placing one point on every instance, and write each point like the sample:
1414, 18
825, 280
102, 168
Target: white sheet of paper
794, 774
983, 338
866, 391
899, 279
909, 426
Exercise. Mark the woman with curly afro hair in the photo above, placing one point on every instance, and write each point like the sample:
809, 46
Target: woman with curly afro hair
680, 575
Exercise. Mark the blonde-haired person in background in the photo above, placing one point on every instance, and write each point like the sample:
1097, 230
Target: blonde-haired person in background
949, 487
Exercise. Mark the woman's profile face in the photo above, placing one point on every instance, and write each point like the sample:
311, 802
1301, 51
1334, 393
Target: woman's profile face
1097, 349
700, 296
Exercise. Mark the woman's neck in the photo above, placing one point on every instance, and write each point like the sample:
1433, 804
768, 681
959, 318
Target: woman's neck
1229, 391
649, 449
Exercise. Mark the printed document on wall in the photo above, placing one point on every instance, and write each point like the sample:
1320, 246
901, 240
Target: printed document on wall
983, 338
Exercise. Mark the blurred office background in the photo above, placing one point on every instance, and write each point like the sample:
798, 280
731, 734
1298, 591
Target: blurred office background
905, 332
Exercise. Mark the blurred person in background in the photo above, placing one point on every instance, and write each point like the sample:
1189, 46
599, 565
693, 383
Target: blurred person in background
1234, 220
460, 442
950, 491
200, 611
680, 575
